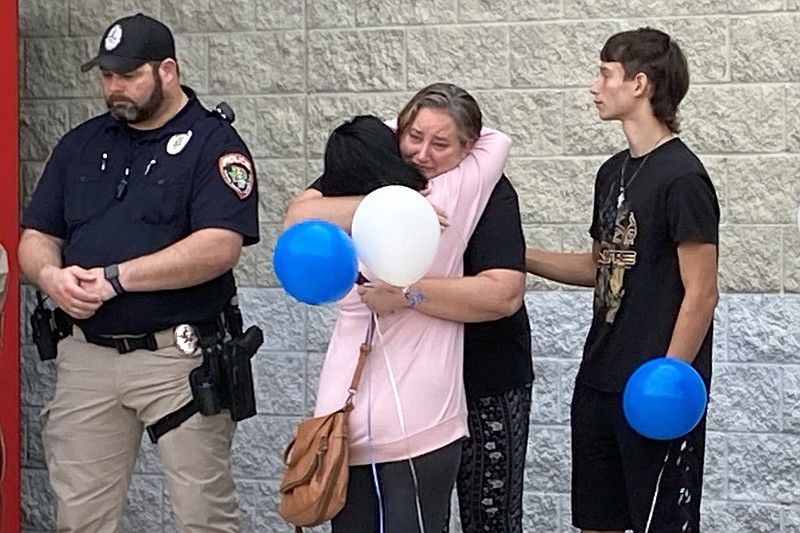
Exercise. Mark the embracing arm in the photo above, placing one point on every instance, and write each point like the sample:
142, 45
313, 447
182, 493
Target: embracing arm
310, 204
489, 295
569, 268
698, 268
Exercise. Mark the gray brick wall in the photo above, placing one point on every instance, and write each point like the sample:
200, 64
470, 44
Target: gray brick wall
292, 69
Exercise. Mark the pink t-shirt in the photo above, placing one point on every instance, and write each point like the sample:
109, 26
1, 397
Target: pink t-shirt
425, 353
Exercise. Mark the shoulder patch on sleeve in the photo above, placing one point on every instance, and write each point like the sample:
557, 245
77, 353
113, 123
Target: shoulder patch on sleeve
236, 171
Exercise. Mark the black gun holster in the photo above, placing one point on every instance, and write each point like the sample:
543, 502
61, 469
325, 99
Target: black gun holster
48, 327
223, 381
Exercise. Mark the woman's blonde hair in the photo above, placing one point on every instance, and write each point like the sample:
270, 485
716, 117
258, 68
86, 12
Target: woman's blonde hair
457, 102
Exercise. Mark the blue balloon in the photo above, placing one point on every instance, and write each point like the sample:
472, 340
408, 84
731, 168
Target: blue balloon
664, 399
315, 262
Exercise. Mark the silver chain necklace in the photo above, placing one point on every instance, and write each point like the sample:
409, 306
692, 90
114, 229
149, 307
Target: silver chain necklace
622, 184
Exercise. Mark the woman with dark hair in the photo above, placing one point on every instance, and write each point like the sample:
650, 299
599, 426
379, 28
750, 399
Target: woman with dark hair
410, 416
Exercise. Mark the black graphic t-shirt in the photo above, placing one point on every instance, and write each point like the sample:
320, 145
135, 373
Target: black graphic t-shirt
668, 199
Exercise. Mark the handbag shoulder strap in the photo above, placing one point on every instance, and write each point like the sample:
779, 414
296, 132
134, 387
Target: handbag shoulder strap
363, 350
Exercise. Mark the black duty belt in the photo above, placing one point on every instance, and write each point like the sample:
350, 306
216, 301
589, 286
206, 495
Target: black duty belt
126, 344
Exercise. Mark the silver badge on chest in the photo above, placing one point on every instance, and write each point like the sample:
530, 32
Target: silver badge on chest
186, 339
178, 142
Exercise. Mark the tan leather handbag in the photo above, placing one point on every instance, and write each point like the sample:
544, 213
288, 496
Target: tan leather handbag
314, 487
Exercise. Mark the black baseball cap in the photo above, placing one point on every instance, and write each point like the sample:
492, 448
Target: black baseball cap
132, 41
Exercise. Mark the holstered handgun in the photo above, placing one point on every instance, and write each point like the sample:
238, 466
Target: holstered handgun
48, 327
225, 378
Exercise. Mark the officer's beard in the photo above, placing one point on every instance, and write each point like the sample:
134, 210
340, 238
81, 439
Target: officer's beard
132, 113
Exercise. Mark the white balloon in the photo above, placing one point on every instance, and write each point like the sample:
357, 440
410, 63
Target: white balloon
396, 234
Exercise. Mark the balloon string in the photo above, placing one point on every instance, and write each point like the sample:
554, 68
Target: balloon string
655, 494
399, 407
375, 479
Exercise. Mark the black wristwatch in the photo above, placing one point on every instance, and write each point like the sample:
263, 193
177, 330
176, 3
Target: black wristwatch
111, 273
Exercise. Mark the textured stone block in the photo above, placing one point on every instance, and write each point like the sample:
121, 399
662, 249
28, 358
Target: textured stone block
329, 111
766, 196
791, 399
281, 318
569, 370
764, 328
619, 8
559, 322
265, 269
92, 17
554, 191
82, 110
356, 60
147, 460
279, 182
532, 119
474, 57
721, 329
546, 403
320, 324
255, 264
791, 259
37, 505
724, 517
397, 12
279, 126
507, 10
546, 237
763, 49
557, 54
37, 378
791, 519
313, 370
745, 398
41, 124
43, 18
749, 259
715, 471
576, 238
324, 14
62, 77
31, 441
279, 383
201, 16
144, 508
259, 502
279, 15
539, 512
260, 63
259, 445
720, 170
547, 461
764, 468
793, 118
584, 132
192, 52
716, 121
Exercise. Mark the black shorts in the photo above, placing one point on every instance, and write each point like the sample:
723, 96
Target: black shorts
621, 480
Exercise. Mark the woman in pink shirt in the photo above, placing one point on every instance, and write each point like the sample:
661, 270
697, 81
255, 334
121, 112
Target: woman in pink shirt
410, 414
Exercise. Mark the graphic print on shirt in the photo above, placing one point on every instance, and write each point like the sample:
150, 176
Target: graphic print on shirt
616, 257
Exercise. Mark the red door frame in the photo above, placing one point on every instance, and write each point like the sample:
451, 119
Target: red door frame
9, 236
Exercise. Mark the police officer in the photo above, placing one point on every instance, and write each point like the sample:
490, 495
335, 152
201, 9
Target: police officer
134, 228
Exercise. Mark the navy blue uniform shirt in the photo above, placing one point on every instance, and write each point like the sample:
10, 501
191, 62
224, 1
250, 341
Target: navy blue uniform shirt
194, 172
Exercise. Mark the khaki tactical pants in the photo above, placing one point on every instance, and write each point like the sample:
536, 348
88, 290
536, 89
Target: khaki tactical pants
93, 427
